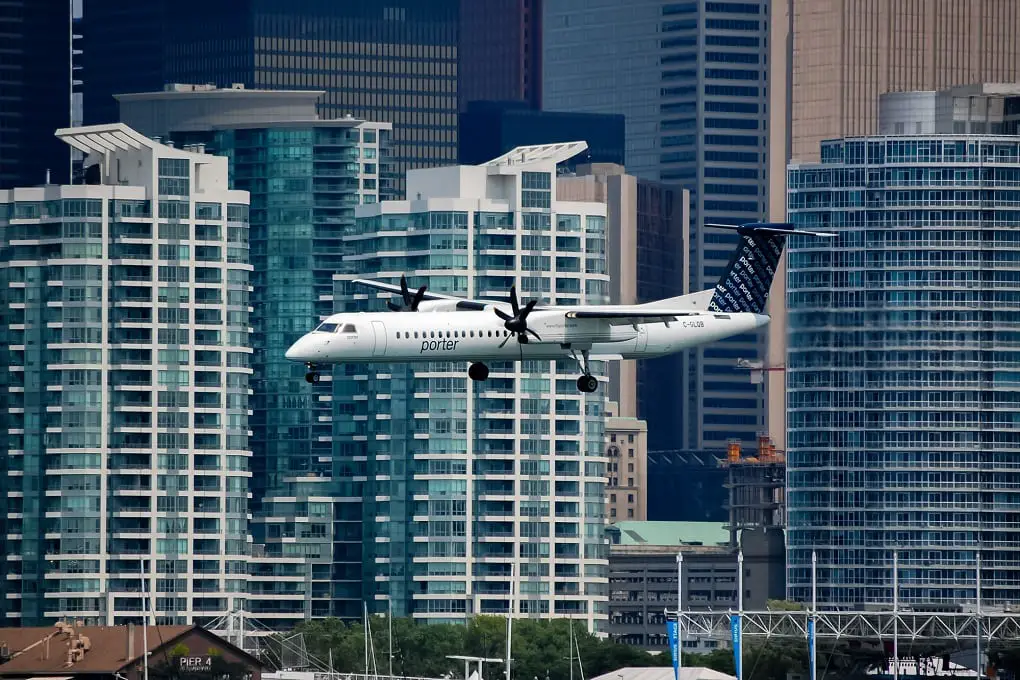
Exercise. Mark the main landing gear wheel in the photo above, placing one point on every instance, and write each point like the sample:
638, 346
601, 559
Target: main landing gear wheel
587, 383
312, 376
478, 371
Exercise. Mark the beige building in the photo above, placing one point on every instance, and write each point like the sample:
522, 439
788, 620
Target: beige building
846, 53
626, 466
831, 60
648, 230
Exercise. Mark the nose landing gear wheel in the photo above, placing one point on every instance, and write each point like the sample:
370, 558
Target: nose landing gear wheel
478, 371
587, 383
312, 377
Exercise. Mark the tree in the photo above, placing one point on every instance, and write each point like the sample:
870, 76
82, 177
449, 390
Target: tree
541, 647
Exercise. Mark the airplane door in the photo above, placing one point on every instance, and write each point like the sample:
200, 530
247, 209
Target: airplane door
379, 330
642, 338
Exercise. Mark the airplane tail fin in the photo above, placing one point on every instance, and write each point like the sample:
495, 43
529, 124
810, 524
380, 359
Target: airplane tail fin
744, 287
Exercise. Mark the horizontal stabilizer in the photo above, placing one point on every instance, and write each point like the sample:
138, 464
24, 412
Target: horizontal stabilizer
784, 228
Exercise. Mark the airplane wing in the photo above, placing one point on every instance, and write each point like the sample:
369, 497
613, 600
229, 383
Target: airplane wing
462, 303
629, 315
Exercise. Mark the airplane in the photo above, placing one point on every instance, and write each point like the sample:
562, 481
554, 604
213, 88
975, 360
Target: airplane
431, 326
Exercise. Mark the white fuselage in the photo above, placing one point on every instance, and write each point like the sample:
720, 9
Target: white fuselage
394, 337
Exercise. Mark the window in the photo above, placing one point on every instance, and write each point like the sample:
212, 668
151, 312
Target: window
348, 328
326, 328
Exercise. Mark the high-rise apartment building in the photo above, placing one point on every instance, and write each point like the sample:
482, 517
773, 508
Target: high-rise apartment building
903, 371
457, 489
831, 60
694, 99
125, 319
394, 62
499, 52
305, 177
36, 91
648, 232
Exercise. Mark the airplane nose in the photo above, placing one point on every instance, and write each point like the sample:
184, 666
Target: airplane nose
761, 320
295, 352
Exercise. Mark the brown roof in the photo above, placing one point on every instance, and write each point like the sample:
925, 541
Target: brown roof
37, 651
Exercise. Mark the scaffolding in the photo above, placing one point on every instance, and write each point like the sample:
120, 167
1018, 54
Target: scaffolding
756, 487
856, 625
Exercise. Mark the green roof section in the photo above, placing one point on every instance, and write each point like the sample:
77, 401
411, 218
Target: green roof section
671, 533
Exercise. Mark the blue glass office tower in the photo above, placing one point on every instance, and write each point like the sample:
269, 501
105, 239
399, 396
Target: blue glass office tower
35, 91
694, 99
903, 371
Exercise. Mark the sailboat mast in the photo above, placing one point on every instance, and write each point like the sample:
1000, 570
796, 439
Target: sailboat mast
365, 608
570, 641
510, 621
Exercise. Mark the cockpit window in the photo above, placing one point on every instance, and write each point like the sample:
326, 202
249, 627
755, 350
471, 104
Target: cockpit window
326, 327
348, 328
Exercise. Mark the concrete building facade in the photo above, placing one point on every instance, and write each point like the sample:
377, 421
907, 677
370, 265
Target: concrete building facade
125, 318
648, 259
626, 466
986, 108
472, 498
643, 577
847, 53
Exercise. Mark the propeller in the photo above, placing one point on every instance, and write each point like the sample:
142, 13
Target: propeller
410, 303
518, 323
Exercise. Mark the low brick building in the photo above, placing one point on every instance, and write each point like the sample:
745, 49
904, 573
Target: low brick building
67, 652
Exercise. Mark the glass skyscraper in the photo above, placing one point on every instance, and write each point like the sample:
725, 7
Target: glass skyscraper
305, 181
394, 62
903, 371
457, 488
304, 176
694, 99
126, 344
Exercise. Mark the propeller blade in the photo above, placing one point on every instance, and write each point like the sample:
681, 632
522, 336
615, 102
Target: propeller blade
501, 314
513, 301
504, 342
393, 306
418, 297
404, 292
537, 336
527, 309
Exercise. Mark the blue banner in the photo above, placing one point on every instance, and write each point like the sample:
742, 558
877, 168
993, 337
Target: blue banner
673, 631
735, 633
811, 646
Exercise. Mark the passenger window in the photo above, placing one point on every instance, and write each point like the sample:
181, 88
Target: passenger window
416, 335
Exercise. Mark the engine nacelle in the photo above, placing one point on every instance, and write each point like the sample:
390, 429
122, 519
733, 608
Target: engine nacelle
437, 306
